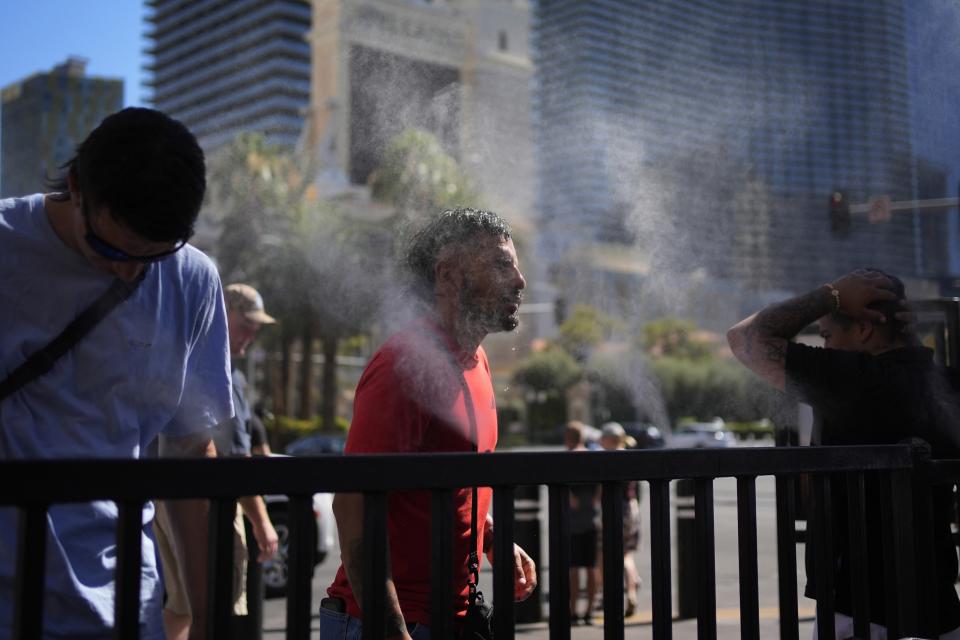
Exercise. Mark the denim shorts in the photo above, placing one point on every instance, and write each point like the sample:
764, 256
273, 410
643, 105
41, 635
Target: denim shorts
342, 626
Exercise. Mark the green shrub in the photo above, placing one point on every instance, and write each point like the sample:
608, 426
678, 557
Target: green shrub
755, 429
551, 370
283, 430
707, 388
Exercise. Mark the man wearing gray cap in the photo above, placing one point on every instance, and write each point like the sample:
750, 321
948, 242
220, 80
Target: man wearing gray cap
245, 316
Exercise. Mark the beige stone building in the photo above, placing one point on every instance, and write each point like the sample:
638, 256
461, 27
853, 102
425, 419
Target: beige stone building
460, 69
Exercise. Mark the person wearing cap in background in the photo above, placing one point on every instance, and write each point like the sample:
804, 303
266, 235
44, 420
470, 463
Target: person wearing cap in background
613, 438
245, 317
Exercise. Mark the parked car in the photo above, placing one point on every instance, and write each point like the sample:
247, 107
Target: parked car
701, 435
317, 444
275, 571
647, 436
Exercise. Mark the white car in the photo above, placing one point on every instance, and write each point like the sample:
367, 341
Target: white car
701, 435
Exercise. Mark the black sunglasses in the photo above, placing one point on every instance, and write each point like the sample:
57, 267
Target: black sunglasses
106, 250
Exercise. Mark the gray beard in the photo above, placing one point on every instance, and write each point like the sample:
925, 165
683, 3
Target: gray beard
489, 321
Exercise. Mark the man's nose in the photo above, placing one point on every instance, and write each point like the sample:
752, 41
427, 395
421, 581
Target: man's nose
521, 282
126, 271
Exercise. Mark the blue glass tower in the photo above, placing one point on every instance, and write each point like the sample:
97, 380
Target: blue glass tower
713, 133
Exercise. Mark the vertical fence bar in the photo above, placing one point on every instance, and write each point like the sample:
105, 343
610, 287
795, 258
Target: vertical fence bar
952, 311
787, 557
927, 565
126, 599
901, 496
880, 483
374, 593
612, 560
503, 565
300, 551
30, 572
223, 511
747, 550
706, 562
686, 536
660, 559
441, 568
859, 563
822, 538
559, 553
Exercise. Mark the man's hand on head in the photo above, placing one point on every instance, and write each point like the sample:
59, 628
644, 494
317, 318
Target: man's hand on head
861, 288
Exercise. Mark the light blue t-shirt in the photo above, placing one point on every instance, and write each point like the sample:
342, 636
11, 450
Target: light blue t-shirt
157, 363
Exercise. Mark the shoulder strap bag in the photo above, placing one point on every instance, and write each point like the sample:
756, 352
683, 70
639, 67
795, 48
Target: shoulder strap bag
41, 361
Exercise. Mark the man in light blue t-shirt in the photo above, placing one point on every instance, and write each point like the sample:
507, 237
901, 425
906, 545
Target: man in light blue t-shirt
156, 365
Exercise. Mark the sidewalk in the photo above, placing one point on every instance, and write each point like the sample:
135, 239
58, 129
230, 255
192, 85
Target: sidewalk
639, 626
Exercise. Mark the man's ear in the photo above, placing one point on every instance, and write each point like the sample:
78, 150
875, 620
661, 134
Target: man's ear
73, 188
446, 276
865, 331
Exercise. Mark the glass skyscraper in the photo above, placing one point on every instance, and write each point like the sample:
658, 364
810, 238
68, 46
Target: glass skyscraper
226, 67
45, 116
712, 133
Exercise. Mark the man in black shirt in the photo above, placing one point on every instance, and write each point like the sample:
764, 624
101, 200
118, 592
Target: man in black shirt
871, 384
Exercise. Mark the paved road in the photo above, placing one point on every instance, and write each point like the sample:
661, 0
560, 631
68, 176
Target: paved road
727, 581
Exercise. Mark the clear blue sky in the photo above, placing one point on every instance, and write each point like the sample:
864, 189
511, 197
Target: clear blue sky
38, 34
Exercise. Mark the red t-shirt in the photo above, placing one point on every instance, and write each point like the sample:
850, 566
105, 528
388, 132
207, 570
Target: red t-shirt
409, 399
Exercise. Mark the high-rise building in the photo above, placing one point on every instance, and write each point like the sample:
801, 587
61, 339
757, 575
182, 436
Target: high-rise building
44, 117
712, 134
227, 67
934, 50
458, 69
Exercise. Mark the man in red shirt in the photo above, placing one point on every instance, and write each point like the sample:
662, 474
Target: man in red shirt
411, 399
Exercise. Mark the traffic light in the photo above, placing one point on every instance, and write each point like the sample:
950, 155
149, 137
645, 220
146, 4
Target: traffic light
839, 213
559, 311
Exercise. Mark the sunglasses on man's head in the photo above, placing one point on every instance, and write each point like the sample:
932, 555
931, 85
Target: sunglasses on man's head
106, 250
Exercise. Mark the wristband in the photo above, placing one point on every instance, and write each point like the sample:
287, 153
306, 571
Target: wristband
835, 293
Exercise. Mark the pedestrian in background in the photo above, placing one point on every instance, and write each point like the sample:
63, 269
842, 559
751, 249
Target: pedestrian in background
614, 438
584, 531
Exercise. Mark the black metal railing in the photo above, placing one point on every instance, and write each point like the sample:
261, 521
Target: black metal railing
905, 472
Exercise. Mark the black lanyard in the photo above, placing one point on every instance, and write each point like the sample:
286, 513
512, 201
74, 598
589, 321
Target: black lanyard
473, 560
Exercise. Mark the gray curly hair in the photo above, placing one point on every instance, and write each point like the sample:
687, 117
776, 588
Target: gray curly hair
449, 227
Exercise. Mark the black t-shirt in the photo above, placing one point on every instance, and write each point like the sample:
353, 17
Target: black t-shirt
858, 398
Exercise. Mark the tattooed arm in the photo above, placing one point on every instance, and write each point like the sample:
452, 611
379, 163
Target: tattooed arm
348, 510
760, 341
